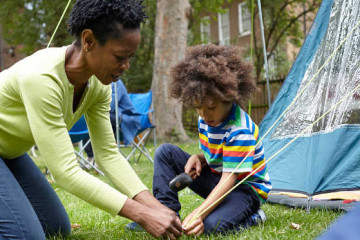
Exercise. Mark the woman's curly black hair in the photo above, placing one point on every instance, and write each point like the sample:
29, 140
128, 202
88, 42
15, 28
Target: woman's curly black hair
106, 18
210, 70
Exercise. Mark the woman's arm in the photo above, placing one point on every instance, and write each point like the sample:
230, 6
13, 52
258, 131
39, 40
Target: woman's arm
107, 155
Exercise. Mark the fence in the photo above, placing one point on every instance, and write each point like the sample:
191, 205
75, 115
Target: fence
259, 102
259, 105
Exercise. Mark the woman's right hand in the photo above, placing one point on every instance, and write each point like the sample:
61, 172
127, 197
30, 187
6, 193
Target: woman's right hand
154, 217
162, 224
193, 166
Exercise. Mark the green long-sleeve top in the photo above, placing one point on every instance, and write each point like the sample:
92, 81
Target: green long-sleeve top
36, 107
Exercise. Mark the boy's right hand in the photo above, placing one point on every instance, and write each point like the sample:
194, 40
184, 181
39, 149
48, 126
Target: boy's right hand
193, 166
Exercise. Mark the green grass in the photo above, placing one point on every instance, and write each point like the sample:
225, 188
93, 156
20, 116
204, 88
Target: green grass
97, 224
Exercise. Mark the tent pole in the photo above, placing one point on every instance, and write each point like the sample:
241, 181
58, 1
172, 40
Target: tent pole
265, 53
308, 204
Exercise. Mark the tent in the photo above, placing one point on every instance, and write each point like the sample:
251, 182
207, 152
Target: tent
324, 161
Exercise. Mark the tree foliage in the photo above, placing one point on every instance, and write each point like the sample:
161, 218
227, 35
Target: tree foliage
31, 23
283, 23
138, 77
201, 8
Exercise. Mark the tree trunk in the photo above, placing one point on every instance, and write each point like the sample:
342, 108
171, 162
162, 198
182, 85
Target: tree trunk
172, 19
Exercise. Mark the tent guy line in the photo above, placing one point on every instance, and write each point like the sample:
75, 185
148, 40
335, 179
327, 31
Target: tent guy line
58, 24
272, 126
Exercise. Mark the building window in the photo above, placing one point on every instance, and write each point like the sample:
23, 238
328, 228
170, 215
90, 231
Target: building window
244, 19
224, 28
205, 30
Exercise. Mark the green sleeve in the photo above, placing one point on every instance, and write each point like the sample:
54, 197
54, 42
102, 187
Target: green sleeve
107, 156
42, 98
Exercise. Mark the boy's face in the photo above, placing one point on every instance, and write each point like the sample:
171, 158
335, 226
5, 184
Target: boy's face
213, 111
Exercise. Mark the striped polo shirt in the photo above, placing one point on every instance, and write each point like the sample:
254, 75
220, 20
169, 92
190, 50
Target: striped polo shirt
228, 144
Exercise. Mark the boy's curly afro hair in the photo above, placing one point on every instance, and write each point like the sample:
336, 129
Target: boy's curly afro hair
106, 18
210, 70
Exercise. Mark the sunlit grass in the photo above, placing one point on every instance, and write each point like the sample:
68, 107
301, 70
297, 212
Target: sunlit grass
97, 224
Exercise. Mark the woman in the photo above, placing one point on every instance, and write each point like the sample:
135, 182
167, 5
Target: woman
41, 98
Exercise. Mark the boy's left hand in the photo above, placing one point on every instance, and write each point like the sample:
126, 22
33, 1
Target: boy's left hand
195, 228
193, 166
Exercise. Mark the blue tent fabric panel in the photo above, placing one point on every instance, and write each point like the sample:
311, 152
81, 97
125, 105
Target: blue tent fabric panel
335, 169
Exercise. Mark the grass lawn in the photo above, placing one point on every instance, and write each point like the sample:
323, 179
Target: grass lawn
97, 224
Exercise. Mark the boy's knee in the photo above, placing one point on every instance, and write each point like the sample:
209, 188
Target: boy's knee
163, 150
211, 225
216, 225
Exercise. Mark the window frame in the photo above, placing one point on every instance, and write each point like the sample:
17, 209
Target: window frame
204, 27
222, 40
240, 21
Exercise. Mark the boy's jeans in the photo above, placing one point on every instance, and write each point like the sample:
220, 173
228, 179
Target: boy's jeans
235, 210
29, 207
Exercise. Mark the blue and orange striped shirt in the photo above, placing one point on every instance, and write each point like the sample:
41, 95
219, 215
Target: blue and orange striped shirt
228, 144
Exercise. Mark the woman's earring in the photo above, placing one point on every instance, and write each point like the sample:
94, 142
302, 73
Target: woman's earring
86, 50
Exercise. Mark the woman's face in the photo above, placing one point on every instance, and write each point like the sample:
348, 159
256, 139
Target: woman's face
108, 62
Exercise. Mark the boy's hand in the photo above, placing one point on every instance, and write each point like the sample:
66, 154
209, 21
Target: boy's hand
195, 228
193, 166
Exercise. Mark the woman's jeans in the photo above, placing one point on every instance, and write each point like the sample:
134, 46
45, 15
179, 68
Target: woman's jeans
233, 213
29, 207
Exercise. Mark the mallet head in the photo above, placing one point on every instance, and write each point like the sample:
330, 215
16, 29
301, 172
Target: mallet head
180, 182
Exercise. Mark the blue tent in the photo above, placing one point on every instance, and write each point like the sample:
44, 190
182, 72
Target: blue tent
325, 158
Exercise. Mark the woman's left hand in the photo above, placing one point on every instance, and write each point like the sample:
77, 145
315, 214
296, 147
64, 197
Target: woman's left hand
196, 227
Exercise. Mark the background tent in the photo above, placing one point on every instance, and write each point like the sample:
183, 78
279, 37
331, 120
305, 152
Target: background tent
325, 159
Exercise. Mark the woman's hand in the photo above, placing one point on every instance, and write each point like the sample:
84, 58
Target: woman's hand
193, 166
196, 227
161, 223
154, 217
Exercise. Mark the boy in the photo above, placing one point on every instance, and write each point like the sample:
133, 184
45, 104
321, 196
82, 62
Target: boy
215, 81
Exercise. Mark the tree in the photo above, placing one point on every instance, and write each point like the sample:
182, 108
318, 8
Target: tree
138, 77
172, 19
31, 23
282, 23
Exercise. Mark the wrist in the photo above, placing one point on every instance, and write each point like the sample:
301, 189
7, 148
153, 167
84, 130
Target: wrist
196, 213
133, 210
147, 199
201, 157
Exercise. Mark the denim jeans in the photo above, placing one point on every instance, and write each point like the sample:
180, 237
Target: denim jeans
233, 213
29, 207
